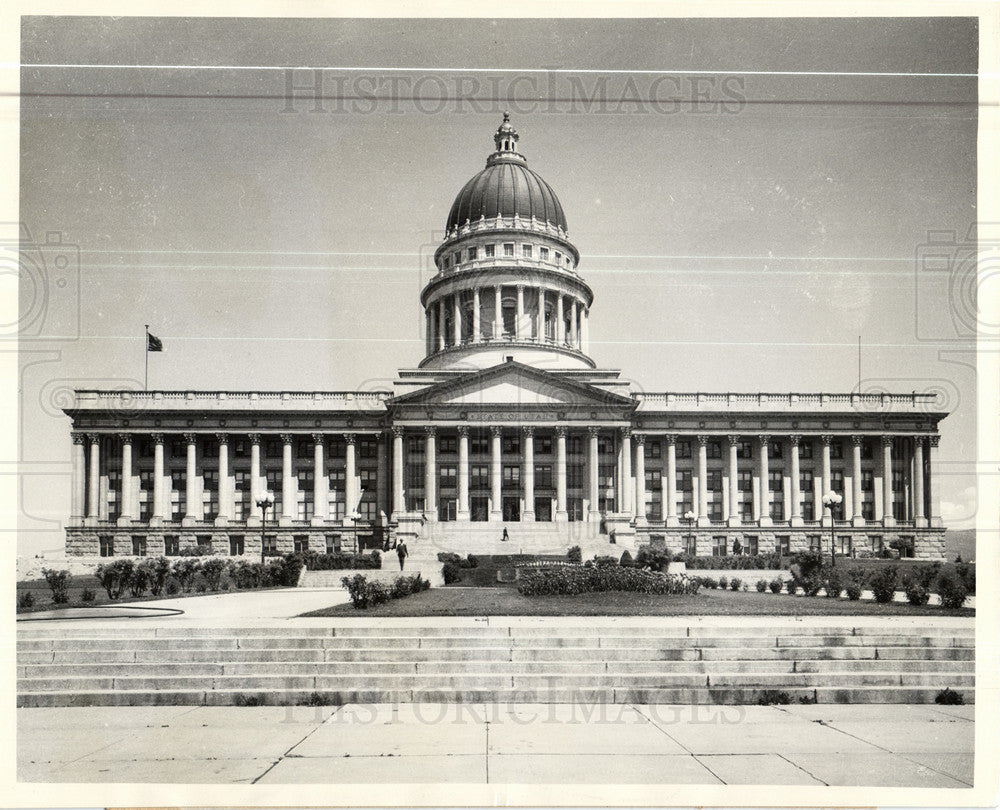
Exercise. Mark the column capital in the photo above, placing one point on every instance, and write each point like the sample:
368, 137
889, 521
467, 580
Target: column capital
593, 430
190, 438
350, 438
79, 438
702, 439
430, 431
560, 430
857, 439
125, 437
496, 430
254, 438
626, 432
639, 438
157, 438
734, 439
671, 438
94, 438
397, 431
933, 440
795, 439
319, 438
520, 288
463, 430
918, 441
222, 438
826, 438
286, 438
764, 439
528, 430
886, 441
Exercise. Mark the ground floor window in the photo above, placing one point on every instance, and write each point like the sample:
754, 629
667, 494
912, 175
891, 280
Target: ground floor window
751, 545
204, 542
138, 546
543, 510
171, 545
448, 509
574, 508
876, 543
300, 543
782, 544
270, 545
107, 545
815, 542
333, 543
236, 545
691, 545
719, 548
844, 545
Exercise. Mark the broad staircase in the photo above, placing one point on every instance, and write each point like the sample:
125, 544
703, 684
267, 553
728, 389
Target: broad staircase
497, 660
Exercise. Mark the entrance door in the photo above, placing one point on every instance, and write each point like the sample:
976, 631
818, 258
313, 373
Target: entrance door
479, 508
511, 508
543, 510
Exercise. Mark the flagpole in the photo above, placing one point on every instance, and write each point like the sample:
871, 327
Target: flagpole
145, 384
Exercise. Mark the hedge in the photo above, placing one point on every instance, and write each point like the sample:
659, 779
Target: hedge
573, 580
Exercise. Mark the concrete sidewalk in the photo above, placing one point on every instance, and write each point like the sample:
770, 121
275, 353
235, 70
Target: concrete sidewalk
874, 745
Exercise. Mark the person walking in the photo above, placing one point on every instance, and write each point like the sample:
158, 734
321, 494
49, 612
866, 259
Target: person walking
402, 553
506, 536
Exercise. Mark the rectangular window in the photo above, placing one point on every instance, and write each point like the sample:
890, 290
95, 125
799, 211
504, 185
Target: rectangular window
713, 450
480, 444
746, 511
691, 545
815, 542
836, 449
558, 257
449, 475
448, 509
775, 450
744, 449
145, 494
806, 482
457, 256
806, 450
138, 546
210, 448
270, 545
171, 545
744, 481
605, 475
414, 445
751, 545
204, 542
274, 487
107, 543
369, 479
713, 481
479, 475
574, 445
868, 510
543, 254
368, 511
511, 444
543, 445
473, 254
240, 448
178, 494
490, 251
867, 481
653, 480
300, 543
210, 502
683, 449
719, 548
114, 489
875, 540
272, 448
367, 447
178, 448
414, 478
446, 263
867, 451
783, 544
241, 496
808, 511
837, 481
684, 481
448, 445
333, 543
304, 504
236, 545
304, 449
654, 450
715, 510
844, 545
605, 446
574, 476
526, 251
508, 250
775, 481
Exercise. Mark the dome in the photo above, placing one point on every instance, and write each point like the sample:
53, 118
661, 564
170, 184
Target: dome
506, 187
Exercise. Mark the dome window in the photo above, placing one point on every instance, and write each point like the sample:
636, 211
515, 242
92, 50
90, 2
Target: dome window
490, 250
446, 263
458, 257
508, 250
543, 254
472, 254
526, 251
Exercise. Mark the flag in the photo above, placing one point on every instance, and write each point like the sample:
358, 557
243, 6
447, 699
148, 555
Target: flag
153, 343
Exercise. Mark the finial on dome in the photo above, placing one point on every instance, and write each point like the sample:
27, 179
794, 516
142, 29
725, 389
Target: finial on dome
506, 136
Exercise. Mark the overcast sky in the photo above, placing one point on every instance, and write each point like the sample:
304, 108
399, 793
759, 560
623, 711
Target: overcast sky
743, 242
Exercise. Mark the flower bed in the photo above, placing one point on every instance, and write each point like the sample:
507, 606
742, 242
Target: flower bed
578, 579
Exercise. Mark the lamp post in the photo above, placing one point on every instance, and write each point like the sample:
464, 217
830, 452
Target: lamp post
264, 502
830, 500
690, 516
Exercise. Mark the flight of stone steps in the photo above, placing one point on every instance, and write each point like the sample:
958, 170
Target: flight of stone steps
544, 661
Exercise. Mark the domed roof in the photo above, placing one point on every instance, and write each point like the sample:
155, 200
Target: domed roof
506, 187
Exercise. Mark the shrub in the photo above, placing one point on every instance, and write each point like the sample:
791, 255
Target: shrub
284, 571
883, 584
343, 561
708, 582
916, 593
967, 574
452, 573
776, 585
807, 571
139, 582
471, 561
87, 595
172, 587
59, 584
948, 697
742, 562
735, 584
772, 697
723, 583
157, 571
762, 586
246, 574
605, 561
626, 560
114, 577
570, 580
25, 600
212, 571
201, 587
833, 583
853, 590
791, 586
951, 590
365, 594
184, 570
376, 556
404, 586
653, 559
574, 555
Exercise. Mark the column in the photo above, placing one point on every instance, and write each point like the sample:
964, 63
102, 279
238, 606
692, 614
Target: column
528, 473
585, 331
441, 325
933, 497
856, 494
398, 505
919, 511
382, 478
671, 499
888, 519
256, 491
561, 512
225, 496
287, 490
78, 493
430, 473
560, 321
321, 507
574, 338
826, 439
463, 473
125, 506
541, 315
702, 480
159, 512
627, 485
193, 513
765, 480
592, 464
734, 517
456, 318
350, 482
519, 320
794, 440
640, 477
477, 324
496, 474
498, 312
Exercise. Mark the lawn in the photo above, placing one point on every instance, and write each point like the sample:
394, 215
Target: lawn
458, 601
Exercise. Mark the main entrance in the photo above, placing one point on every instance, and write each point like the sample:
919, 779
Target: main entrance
479, 508
511, 508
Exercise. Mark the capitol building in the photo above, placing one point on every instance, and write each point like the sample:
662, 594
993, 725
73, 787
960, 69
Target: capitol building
506, 422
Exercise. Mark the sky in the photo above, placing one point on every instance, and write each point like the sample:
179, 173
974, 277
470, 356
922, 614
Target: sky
748, 198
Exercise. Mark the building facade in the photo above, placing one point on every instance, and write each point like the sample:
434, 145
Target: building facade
506, 420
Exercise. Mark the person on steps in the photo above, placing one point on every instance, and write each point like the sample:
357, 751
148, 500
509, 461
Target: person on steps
506, 536
402, 553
